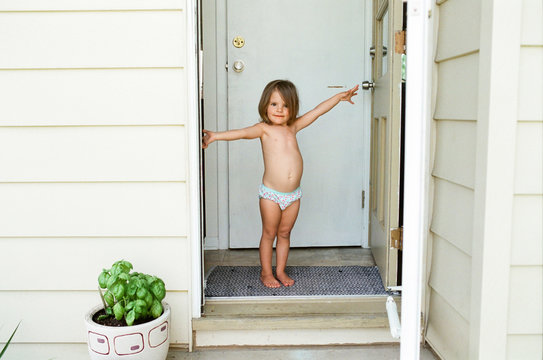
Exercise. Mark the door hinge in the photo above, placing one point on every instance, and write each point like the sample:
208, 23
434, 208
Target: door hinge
396, 238
399, 42
363, 198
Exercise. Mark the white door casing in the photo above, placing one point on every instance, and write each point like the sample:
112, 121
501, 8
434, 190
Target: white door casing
385, 134
319, 46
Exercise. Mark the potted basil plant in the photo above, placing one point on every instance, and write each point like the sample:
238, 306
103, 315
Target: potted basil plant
132, 322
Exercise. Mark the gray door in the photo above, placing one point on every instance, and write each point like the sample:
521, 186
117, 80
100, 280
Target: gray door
385, 174
318, 45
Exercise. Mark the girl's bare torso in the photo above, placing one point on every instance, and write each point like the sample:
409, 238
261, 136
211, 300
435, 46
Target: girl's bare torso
283, 164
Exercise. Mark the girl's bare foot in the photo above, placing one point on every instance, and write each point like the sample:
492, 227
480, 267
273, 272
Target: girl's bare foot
285, 279
269, 281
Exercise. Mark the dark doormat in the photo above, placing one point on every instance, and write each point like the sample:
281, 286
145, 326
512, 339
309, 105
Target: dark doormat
237, 281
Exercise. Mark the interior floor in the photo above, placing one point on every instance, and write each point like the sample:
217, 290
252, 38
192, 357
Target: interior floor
339, 256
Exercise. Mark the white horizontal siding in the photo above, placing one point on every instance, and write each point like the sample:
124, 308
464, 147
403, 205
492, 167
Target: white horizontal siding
532, 24
92, 39
75, 263
82, 182
529, 158
447, 332
526, 244
93, 209
74, 351
58, 316
93, 97
524, 347
530, 88
107, 153
525, 299
459, 23
453, 173
453, 214
40, 5
455, 151
451, 275
525, 311
457, 88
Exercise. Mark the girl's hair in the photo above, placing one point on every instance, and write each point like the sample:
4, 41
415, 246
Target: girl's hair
288, 92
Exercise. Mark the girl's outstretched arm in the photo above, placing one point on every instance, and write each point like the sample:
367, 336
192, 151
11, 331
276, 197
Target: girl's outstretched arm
309, 117
251, 132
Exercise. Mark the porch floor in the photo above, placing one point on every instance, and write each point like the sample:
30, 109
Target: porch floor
339, 256
374, 352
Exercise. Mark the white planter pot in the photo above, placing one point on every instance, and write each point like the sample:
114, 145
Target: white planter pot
149, 341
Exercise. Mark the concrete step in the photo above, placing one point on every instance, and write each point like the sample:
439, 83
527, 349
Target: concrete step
297, 306
290, 322
293, 321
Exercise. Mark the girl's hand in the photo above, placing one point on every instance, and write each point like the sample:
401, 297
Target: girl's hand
208, 138
347, 95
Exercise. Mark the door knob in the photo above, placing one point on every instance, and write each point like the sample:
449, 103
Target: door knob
368, 85
238, 66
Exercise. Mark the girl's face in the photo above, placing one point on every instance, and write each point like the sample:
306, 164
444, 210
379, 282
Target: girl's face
277, 111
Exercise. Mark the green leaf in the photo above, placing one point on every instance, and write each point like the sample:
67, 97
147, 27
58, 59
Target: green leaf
158, 289
9, 340
124, 276
102, 279
145, 312
115, 270
142, 293
127, 265
130, 305
130, 317
156, 308
139, 283
118, 310
140, 308
109, 311
149, 299
118, 289
132, 288
102, 317
151, 279
120, 267
112, 280
108, 297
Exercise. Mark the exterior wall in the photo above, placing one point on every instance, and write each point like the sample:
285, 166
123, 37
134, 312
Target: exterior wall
453, 177
93, 159
487, 180
524, 332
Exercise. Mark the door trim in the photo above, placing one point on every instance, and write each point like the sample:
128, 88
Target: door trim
420, 42
194, 151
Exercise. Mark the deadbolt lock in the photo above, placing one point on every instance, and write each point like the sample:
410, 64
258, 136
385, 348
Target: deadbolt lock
238, 42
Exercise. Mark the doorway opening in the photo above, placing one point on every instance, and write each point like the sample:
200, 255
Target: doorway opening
334, 166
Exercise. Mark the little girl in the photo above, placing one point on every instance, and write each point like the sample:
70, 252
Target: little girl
280, 191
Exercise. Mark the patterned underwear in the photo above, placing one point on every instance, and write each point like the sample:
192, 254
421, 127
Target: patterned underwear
282, 199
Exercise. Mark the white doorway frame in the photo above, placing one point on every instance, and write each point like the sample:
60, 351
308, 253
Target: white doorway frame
417, 171
417, 136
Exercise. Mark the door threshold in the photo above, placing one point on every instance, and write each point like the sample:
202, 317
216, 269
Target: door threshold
308, 297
